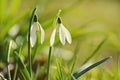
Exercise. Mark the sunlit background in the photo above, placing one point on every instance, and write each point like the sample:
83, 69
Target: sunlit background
89, 21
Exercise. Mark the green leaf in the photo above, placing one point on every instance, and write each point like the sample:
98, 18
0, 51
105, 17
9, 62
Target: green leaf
16, 66
8, 58
22, 67
80, 72
74, 59
59, 75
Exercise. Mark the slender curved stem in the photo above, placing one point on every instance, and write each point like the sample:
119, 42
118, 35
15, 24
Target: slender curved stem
49, 61
8, 56
29, 54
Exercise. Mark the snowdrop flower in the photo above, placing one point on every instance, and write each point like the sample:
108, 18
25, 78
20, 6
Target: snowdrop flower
64, 34
34, 28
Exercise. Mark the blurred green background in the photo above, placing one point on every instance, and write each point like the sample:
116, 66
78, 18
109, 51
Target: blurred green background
89, 21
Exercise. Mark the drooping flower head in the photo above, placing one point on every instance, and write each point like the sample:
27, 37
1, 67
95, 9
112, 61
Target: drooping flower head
64, 34
36, 26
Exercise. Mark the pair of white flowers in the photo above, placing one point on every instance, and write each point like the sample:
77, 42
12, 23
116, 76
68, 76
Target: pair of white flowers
64, 34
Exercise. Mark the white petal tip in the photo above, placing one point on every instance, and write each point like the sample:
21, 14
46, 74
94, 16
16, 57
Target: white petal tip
63, 44
52, 38
42, 33
70, 41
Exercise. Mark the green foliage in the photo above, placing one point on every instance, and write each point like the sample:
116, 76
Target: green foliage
90, 23
80, 72
59, 75
22, 67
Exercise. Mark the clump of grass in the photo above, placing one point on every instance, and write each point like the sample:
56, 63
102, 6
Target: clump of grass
26, 70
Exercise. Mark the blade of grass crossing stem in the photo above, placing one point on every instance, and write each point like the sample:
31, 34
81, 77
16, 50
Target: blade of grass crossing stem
74, 59
29, 54
22, 67
59, 71
75, 56
23, 75
8, 58
78, 73
95, 51
16, 67
73, 65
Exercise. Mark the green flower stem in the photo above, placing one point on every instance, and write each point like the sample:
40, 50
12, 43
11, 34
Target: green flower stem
56, 18
50, 48
34, 50
8, 56
15, 72
16, 66
49, 61
29, 55
8, 71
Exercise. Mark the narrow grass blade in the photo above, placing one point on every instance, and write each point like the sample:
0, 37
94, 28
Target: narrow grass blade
76, 50
78, 73
73, 64
8, 58
16, 67
15, 72
22, 67
49, 63
95, 51
74, 59
59, 75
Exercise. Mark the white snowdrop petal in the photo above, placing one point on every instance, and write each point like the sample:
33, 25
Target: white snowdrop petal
33, 34
14, 30
67, 34
42, 33
33, 28
52, 38
33, 40
61, 34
